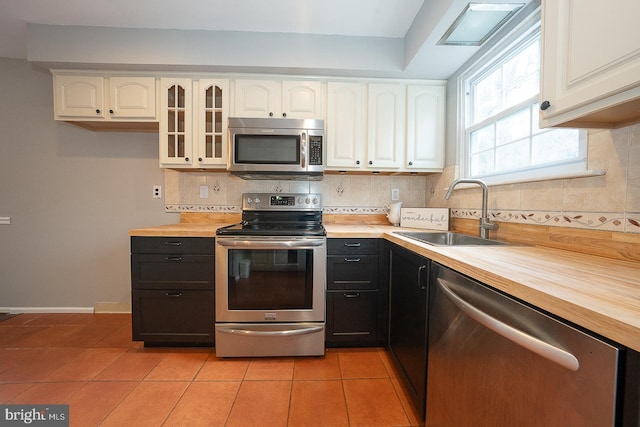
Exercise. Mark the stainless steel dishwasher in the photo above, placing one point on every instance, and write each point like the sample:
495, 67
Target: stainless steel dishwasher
494, 361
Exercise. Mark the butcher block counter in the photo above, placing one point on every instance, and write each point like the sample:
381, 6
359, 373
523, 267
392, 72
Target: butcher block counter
599, 294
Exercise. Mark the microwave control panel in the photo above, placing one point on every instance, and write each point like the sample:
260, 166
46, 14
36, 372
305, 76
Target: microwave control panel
315, 150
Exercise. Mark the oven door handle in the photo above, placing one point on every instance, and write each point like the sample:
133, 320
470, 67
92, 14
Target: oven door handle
271, 244
287, 332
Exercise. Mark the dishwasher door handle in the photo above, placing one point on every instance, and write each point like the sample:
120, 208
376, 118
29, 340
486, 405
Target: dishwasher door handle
531, 343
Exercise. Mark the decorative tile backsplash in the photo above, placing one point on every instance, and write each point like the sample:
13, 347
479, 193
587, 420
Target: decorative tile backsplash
342, 194
608, 202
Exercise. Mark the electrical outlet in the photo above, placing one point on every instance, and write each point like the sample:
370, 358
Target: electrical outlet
157, 191
204, 191
395, 194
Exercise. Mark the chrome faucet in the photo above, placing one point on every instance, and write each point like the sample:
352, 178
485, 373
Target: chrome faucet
485, 224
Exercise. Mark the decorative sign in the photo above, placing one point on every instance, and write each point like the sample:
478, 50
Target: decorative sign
429, 218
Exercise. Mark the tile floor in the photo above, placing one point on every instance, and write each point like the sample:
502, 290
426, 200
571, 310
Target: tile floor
89, 362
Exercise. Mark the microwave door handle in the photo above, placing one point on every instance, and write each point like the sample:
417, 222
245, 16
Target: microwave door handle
303, 150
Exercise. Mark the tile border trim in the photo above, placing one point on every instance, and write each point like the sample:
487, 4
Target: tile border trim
626, 222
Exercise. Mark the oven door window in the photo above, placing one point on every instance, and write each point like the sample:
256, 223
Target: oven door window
266, 279
267, 149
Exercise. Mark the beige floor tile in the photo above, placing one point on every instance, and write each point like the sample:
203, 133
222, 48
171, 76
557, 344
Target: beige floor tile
178, 366
361, 363
219, 369
96, 400
204, 404
317, 368
373, 402
261, 403
270, 368
317, 403
87, 364
131, 366
148, 404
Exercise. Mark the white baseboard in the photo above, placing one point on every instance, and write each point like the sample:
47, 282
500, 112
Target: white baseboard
16, 310
112, 307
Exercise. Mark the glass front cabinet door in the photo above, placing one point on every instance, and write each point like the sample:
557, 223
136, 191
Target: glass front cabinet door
212, 113
176, 120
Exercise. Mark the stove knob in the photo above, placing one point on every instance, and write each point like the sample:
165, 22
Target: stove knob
257, 200
307, 201
300, 200
249, 200
315, 200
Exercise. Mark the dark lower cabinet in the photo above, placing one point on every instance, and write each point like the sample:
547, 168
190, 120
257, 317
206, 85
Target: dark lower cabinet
172, 316
356, 293
172, 290
407, 342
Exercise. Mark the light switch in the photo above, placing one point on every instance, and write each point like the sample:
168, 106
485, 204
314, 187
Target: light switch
204, 191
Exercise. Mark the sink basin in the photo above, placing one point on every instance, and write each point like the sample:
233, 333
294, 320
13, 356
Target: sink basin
448, 238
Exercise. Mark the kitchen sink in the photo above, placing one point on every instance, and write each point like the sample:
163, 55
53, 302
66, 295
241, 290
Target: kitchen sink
448, 238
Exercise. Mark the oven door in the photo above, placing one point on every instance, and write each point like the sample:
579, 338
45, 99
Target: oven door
270, 279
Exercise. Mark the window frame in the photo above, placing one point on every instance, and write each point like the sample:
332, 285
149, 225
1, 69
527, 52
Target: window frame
512, 44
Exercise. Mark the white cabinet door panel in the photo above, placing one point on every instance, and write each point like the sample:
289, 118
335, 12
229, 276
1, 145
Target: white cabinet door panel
346, 144
386, 126
590, 57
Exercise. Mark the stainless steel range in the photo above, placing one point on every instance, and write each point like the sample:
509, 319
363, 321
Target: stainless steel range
271, 278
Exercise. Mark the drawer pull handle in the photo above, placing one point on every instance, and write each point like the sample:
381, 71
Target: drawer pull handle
351, 295
174, 258
174, 294
173, 243
352, 259
352, 245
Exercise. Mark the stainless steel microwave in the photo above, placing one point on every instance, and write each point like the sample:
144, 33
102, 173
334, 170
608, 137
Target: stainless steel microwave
274, 148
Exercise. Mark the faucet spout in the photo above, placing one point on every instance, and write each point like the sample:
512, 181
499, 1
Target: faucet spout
485, 223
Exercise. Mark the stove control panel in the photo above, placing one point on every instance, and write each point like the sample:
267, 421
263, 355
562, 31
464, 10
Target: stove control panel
281, 201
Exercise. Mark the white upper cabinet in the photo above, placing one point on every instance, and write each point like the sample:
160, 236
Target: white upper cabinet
94, 97
272, 98
302, 99
132, 97
78, 96
257, 98
211, 114
345, 126
176, 122
590, 63
425, 128
386, 126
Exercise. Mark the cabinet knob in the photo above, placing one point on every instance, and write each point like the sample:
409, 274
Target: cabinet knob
357, 162
284, 114
545, 105
199, 159
270, 113
186, 159
410, 163
370, 162
97, 111
111, 111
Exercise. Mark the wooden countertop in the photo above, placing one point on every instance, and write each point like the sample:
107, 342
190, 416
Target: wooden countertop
599, 294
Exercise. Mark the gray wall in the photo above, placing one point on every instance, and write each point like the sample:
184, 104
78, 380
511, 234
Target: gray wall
72, 195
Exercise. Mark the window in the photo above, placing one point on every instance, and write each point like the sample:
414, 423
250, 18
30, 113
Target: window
502, 139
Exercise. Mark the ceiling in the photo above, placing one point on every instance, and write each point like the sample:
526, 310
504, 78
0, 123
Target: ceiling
411, 26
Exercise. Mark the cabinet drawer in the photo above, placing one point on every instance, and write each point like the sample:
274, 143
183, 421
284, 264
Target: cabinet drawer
352, 318
172, 245
155, 271
165, 316
352, 272
352, 246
